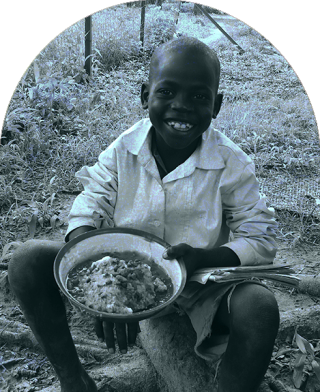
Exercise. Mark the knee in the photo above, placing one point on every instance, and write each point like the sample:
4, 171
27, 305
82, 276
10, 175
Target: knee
254, 311
31, 262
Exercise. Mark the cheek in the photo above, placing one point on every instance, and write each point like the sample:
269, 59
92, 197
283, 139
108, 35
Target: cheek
207, 112
156, 108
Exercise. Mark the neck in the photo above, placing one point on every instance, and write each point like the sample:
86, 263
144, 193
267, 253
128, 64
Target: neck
173, 157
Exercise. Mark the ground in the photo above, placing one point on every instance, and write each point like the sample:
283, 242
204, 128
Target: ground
23, 367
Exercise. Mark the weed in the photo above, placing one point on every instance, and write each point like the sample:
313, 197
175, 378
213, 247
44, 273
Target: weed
305, 359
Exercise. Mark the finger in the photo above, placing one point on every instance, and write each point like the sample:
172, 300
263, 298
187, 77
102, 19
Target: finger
133, 329
99, 329
176, 251
121, 337
109, 336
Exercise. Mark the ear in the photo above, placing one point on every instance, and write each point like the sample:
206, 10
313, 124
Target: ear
217, 105
144, 95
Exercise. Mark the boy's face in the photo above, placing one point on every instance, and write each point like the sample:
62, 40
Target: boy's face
181, 97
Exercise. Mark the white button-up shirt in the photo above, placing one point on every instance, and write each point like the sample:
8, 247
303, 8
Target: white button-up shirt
214, 191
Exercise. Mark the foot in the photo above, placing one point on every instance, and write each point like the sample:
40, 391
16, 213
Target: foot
84, 384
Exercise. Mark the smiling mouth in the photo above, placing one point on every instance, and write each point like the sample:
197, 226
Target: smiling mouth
180, 126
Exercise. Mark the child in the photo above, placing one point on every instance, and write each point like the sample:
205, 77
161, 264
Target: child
176, 177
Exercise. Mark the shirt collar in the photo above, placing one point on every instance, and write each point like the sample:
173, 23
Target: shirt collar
207, 156
154, 150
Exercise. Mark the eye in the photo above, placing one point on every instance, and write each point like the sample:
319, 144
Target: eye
201, 96
164, 91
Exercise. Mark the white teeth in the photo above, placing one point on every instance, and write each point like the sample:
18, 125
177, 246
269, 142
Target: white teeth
180, 125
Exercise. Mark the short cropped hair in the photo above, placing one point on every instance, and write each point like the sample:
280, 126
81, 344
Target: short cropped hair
180, 44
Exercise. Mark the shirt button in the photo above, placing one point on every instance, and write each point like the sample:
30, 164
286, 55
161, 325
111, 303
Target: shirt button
157, 223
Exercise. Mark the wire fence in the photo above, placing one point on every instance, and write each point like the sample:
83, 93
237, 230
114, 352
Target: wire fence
173, 6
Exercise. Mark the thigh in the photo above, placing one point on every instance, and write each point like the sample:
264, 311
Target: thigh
245, 300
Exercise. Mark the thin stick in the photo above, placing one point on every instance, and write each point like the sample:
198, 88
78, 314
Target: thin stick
11, 362
219, 27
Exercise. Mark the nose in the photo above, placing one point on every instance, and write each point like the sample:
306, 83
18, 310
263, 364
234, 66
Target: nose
181, 104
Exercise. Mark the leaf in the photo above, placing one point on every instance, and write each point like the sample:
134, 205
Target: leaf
98, 52
23, 79
14, 129
33, 224
8, 246
304, 346
32, 204
53, 221
90, 55
316, 368
45, 205
52, 198
41, 221
52, 179
36, 72
298, 369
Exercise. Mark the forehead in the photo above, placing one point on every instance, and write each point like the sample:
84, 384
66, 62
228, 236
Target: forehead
185, 64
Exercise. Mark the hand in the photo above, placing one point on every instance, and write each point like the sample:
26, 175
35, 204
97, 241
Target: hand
126, 334
190, 256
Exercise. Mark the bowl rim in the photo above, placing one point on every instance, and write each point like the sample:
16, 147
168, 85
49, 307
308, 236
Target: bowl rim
116, 317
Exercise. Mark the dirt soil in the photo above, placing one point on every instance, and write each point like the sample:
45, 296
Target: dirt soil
24, 368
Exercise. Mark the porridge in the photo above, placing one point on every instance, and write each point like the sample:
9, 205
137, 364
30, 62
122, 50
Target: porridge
119, 284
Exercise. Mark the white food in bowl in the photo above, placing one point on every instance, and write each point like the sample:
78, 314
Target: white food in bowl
114, 285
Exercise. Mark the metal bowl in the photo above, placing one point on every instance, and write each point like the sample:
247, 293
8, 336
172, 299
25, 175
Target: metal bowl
96, 242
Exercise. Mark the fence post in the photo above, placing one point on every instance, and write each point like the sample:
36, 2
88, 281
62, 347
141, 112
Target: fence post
177, 13
88, 45
143, 14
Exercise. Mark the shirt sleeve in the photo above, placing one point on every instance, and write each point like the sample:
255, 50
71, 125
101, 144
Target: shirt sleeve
97, 201
250, 220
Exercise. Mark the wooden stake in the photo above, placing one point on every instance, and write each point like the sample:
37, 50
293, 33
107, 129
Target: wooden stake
143, 14
88, 45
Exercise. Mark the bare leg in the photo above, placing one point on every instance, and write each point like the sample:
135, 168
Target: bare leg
31, 279
253, 323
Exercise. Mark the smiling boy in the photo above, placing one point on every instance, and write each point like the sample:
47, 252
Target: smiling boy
174, 176
181, 99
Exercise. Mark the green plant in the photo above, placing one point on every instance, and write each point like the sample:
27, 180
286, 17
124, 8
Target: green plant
306, 360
